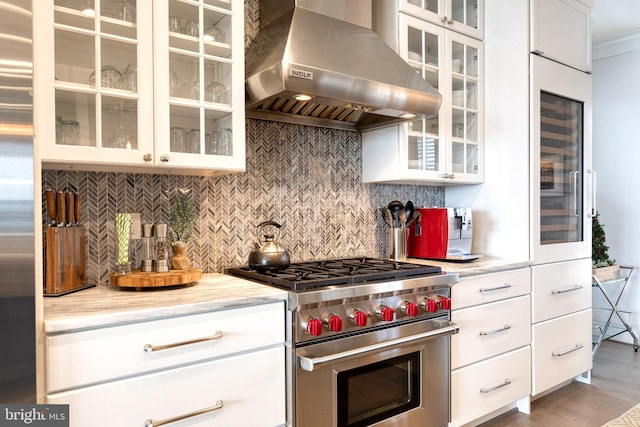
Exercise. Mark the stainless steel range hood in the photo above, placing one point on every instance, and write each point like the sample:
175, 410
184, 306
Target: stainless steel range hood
355, 80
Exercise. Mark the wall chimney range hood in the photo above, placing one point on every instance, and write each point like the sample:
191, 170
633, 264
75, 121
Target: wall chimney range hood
318, 63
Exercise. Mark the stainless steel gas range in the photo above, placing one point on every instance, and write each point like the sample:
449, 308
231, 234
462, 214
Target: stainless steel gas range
368, 339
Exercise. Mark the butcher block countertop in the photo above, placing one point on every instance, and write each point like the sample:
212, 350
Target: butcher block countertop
106, 306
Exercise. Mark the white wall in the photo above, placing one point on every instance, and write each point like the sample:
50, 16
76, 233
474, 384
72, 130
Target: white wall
616, 158
501, 204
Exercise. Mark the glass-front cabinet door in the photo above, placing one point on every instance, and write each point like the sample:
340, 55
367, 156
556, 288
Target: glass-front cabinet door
563, 187
448, 146
90, 97
463, 16
199, 66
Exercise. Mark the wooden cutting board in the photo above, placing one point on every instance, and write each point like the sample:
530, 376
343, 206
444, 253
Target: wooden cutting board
138, 279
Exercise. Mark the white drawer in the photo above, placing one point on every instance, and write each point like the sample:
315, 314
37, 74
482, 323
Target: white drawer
490, 329
470, 395
484, 288
250, 386
561, 288
92, 356
561, 349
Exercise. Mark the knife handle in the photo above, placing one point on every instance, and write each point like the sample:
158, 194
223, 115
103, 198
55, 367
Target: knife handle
76, 200
60, 209
70, 207
50, 199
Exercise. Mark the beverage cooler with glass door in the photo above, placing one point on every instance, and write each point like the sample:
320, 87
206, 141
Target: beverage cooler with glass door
563, 181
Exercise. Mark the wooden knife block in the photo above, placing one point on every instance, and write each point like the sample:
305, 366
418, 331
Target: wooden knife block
65, 260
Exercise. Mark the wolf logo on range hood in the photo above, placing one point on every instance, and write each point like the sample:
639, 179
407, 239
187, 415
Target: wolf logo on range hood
310, 68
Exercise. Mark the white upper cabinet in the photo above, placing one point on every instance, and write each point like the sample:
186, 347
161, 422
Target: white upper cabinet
462, 16
102, 79
561, 31
446, 148
199, 74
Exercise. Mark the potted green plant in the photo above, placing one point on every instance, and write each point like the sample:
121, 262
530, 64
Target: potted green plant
604, 268
181, 223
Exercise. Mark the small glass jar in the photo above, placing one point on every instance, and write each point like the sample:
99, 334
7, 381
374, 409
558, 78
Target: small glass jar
190, 28
192, 142
70, 132
58, 130
225, 142
177, 140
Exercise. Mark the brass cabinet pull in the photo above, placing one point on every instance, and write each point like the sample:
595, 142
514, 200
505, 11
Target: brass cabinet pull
562, 353
151, 423
495, 331
506, 382
149, 348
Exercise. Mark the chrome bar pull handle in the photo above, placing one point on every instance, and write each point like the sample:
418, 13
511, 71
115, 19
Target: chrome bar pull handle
571, 289
594, 186
151, 348
506, 382
151, 423
495, 331
571, 350
497, 288
574, 190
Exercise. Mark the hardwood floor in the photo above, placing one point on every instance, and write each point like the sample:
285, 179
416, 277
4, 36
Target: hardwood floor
614, 389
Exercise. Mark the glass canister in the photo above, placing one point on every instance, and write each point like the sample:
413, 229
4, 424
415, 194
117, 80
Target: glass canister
192, 141
177, 140
70, 132
225, 142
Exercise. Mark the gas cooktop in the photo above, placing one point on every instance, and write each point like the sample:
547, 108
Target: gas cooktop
309, 275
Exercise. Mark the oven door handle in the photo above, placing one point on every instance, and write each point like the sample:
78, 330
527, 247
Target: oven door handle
309, 363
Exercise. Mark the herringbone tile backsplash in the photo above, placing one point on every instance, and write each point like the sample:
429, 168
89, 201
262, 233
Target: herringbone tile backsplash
306, 178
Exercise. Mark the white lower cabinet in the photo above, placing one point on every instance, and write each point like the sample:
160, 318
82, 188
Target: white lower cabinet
561, 337
484, 387
561, 349
217, 368
491, 329
491, 355
248, 389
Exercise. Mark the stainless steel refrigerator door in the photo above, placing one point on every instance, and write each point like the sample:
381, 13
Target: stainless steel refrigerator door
17, 242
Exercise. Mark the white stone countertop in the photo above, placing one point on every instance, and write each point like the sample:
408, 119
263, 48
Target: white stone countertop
105, 305
482, 265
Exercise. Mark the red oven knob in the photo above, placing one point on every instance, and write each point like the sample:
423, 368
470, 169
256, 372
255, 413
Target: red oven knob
333, 322
409, 308
313, 327
429, 305
445, 303
385, 313
358, 317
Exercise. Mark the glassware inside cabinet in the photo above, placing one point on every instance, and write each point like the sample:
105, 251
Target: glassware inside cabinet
119, 56
80, 108
119, 123
184, 26
218, 133
184, 122
217, 80
187, 70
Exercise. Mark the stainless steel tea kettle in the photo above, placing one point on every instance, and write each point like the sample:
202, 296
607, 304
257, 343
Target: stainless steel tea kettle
268, 254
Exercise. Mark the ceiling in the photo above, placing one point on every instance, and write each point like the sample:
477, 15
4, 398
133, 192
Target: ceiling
612, 19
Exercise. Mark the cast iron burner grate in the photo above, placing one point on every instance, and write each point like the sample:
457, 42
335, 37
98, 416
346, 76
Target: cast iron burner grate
308, 275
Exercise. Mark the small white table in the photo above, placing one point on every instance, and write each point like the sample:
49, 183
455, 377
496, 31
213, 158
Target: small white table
604, 330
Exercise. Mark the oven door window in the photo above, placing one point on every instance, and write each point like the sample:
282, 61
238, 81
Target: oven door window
371, 393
